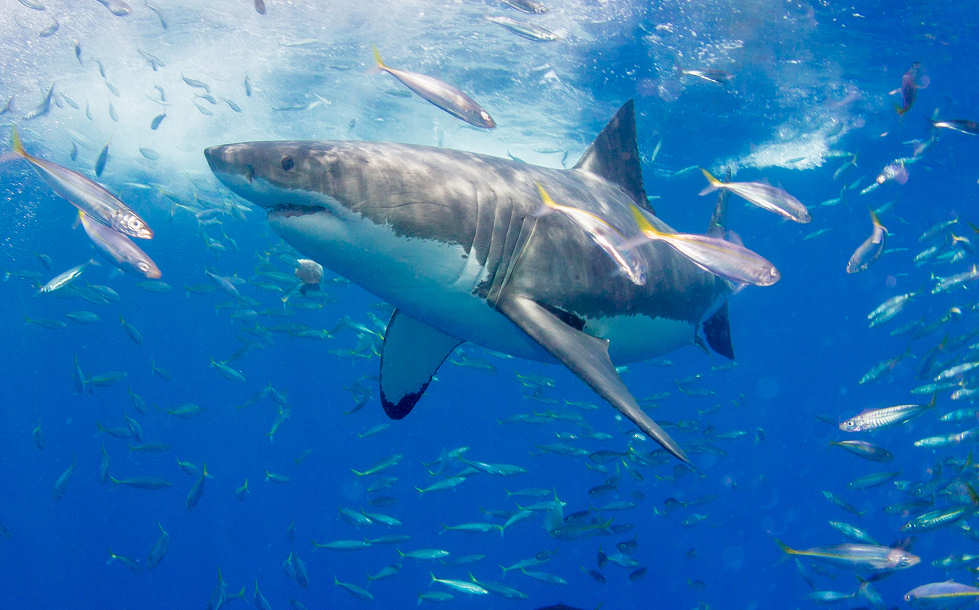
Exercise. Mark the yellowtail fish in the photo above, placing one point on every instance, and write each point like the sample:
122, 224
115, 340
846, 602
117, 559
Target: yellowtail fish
86, 195
719, 256
528, 6
866, 450
862, 556
960, 125
605, 236
937, 518
462, 586
871, 419
441, 94
63, 279
119, 248
889, 308
870, 250
529, 31
946, 283
763, 195
939, 594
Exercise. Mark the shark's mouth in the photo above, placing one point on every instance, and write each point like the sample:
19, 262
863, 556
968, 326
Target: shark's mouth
289, 210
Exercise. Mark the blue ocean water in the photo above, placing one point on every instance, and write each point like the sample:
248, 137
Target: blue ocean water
810, 89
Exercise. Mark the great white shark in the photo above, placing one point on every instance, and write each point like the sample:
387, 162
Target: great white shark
457, 242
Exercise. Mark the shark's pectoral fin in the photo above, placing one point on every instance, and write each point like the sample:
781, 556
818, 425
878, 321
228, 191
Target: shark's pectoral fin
412, 352
587, 357
717, 331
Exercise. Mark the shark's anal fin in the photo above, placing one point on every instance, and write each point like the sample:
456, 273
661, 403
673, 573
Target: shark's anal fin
717, 331
614, 155
587, 357
412, 353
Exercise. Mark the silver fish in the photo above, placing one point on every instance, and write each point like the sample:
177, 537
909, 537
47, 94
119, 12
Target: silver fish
119, 248
765, 196
441, 94
870, 250
86, 195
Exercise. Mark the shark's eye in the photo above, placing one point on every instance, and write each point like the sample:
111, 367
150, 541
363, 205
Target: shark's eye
287, 163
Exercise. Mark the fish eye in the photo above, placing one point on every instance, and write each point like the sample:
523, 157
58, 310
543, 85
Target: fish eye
287, 163
143, 266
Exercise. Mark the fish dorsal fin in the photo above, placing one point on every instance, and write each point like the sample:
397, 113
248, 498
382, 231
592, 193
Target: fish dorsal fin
614, 155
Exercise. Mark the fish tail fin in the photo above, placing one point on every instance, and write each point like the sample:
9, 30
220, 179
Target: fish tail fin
501, 530
934, 397
432, 574
399, 552
786, 548
205, 473
377, 58
972, 494
15, 142
420, 490
645, 227
358, 472
714, 183
545, 198
875, 220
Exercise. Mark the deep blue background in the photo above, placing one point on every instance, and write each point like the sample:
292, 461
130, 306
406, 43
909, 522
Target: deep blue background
802, 346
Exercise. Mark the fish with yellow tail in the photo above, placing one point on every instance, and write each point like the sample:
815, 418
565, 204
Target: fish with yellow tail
119, 249
765, 196
441, 94
86, 195
719, 256
870, 250
866, 557
605, 236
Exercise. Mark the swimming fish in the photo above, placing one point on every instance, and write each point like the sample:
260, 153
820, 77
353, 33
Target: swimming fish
441, 94
763, 195
911, 81
865, 556
714, 254
870, 250
605, 236
119, 248
86, 195
960, 125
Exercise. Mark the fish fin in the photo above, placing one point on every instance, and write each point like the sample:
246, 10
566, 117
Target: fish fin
587, 357
717, 332
411, 354
713, 185
718, 220
15, 142
786, 548
377, 58
614, 155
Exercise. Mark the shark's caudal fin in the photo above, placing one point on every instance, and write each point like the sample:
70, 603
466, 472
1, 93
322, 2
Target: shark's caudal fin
412, 352
614, 155
587, 357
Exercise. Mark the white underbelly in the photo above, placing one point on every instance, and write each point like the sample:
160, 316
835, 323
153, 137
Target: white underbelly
434, 282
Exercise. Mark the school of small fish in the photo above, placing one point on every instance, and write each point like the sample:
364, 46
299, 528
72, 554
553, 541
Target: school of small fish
267, 305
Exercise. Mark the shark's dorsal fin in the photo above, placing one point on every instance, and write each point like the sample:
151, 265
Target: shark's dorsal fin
412, 352
614, 155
